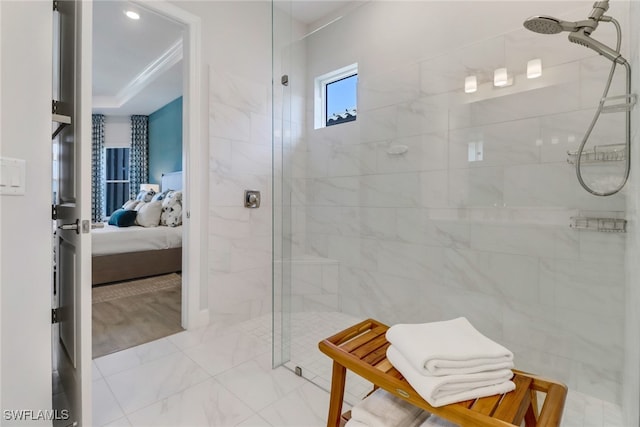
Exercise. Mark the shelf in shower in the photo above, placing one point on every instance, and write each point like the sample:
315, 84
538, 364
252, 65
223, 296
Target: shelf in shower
607, 225
600, 154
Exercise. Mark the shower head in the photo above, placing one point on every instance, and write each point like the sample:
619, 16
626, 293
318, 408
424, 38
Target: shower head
583, 39
548, 25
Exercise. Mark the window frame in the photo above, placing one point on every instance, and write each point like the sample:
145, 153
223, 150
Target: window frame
320, 95
115, 181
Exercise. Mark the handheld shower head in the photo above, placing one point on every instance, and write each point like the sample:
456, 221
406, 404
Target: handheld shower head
583, 39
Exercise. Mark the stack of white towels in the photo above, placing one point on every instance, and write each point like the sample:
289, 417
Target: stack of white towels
382, 409
449, 361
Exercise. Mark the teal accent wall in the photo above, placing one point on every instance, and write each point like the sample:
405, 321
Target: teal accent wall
165, 140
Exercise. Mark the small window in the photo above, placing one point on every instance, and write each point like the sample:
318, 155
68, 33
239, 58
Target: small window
117, 178
336, 97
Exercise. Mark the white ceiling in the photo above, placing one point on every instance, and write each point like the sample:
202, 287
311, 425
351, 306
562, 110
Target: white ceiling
137, 66
134, 69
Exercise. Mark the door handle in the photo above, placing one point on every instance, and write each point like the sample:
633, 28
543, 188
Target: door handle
75, 226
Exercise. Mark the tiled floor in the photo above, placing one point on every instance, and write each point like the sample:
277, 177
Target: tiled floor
223, 377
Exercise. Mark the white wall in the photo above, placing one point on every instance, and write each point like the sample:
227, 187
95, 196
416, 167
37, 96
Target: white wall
429, 235
25, 262
236, 58
631, 379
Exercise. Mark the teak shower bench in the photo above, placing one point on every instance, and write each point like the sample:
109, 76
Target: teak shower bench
362, 349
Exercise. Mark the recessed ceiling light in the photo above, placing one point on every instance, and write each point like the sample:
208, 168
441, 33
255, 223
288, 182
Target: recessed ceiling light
131, 14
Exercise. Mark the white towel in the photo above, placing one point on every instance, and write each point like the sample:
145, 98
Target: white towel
435, 421
443, 390
448, 347
383, 409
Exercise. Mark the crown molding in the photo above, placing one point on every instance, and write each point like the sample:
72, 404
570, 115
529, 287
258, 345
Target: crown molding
151, 72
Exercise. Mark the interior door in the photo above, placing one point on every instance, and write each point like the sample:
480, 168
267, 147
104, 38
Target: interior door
72, 204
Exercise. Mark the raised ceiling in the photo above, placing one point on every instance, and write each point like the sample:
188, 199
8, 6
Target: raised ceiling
137, 64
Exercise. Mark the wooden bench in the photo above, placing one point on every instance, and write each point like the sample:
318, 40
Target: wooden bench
362, 349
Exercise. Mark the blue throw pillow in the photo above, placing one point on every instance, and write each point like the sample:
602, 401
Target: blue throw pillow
123, 218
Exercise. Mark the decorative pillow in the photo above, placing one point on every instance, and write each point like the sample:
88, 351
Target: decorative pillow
123, 218
149, 214
130, 204
145, 196
172, 209
160, 196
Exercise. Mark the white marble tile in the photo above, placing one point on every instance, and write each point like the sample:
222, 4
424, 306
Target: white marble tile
306, 406
380, 90
122, 422
423, 153
145, 384
378, 125
478, 187
511, 276
229, 122
134, 356
434, 189
509, 143
428, 115
390, 190
227, 351
230, 222
256, 384
533, 240
250, 159
238, 92
105, 408
205, 404
254, 421
348, 159
411, 261
95, 372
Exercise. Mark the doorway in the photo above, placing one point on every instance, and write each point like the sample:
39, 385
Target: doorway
137, 176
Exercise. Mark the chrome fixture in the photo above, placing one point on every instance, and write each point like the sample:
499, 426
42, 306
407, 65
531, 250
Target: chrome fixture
580, 33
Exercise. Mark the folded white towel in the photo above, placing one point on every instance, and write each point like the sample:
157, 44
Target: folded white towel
443, 390
448, 347
435, 421
383, 409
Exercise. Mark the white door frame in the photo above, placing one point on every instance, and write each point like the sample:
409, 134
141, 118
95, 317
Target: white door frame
194, 159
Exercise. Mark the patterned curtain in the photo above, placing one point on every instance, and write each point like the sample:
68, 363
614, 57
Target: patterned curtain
97, 168
139, 154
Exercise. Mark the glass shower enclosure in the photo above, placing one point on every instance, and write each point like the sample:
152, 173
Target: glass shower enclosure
453, 193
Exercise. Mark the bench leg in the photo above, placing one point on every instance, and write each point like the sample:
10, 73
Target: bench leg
337, 395
531, 416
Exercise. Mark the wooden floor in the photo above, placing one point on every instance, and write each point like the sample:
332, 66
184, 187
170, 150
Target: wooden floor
135, 312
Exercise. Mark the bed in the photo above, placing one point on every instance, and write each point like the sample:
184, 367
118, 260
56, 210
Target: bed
125, 253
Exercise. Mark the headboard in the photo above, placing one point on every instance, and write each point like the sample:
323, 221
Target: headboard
171, 181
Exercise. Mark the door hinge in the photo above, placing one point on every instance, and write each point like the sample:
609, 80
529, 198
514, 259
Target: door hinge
55, 6
54, 212
56, 315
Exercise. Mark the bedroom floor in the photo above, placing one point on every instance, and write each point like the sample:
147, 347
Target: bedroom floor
135, 312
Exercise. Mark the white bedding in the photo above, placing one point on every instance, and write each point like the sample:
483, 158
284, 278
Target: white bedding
113, 240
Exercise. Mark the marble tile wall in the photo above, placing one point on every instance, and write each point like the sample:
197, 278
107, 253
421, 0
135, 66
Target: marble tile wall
429, 235
240, 159
631, 379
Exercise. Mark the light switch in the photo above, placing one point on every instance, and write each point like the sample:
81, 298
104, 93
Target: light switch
12, 176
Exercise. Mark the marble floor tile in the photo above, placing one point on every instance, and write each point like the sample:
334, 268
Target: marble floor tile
306, 406
256, 384
105, 406
255, 421
121, 422
134, 356
227, 351
206, 404
143, 385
